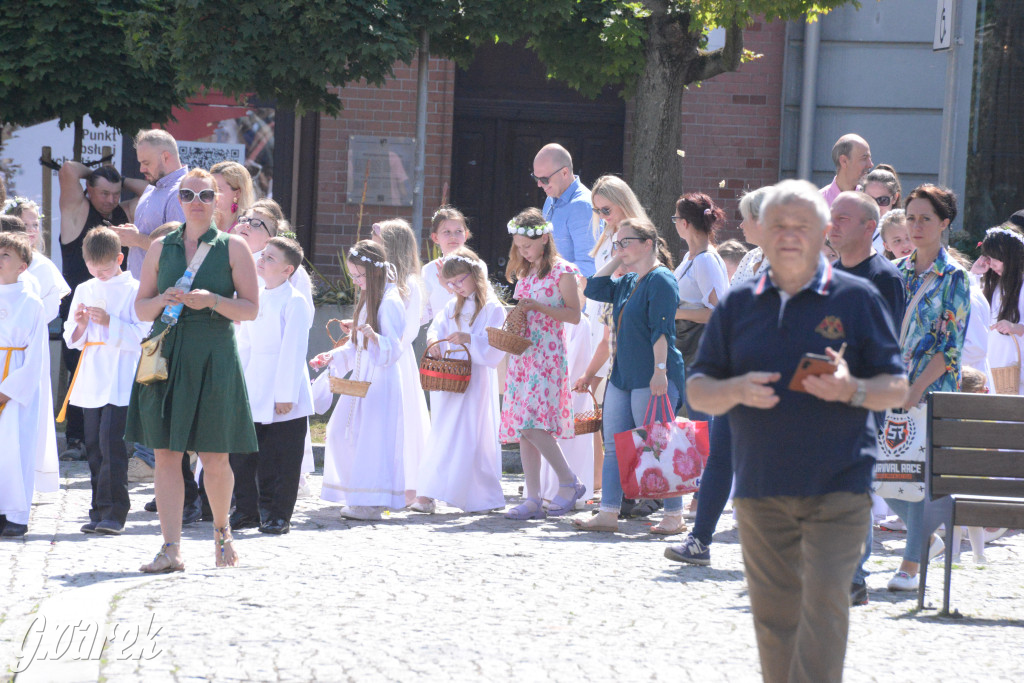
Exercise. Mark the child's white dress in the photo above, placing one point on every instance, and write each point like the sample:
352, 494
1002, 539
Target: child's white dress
363, 456
417, 418
462, 461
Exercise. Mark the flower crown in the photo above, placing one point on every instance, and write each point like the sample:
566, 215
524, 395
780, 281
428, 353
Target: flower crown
14, 202
1006, 231
529, 230
471, 262
387, 266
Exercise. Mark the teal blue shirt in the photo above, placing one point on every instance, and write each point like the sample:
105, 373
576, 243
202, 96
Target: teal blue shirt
649, 314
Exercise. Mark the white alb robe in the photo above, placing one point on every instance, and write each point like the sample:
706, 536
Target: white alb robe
417, 418
461, 464
22, 324
1003, 348
363, 457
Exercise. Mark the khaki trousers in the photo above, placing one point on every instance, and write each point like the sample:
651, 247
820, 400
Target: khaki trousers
799, 555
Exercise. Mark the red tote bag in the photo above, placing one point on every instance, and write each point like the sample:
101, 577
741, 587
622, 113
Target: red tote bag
662, 459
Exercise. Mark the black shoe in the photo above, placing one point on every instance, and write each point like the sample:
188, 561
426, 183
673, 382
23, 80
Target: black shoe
191, 515
150, 506
89, 528
858, 594
14, 530
276, 527
239, 521
109, 527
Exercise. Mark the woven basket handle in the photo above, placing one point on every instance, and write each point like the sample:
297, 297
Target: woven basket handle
515, 322
342, 338
426, 352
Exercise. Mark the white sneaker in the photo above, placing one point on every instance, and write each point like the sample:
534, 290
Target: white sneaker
936, 548
893, 524
138, 471
364, 513
304, 491
427, 508
902, 581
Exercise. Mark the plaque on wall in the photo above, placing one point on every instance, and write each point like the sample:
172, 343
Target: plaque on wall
384, 165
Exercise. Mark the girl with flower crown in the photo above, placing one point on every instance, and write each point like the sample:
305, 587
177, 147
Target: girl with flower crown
462, 461
449, 231
538, 408
1002, 264
363, 465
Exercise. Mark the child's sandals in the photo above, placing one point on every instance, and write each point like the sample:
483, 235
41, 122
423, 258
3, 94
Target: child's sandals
162, 563
225, 549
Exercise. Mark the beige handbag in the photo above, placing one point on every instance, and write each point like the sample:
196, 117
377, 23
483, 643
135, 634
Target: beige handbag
1007, 378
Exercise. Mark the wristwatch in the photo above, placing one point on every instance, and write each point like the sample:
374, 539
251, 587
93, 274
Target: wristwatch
661, 366
857, 400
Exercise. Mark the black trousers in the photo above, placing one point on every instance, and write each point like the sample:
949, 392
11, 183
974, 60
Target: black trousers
267, 482
75, 426
108, 462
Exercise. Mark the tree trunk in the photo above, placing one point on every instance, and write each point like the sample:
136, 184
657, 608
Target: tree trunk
656, 169
76, 151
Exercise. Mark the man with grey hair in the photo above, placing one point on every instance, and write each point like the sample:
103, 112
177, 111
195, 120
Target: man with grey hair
801, 491
567, 207
851, 156
160, 164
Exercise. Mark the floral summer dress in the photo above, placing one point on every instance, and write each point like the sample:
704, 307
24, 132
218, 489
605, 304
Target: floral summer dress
537, 382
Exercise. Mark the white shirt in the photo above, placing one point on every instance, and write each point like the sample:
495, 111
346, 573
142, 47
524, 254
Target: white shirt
696, 282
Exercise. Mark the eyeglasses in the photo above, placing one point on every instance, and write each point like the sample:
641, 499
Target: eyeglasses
675, 218
546, 179
884, 200
188, 196
624, 242
604, 211
457, 282
255, 222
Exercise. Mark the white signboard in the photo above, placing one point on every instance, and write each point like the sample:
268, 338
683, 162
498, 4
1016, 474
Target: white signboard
943, 25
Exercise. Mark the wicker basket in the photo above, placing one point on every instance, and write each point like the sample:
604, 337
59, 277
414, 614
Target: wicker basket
342, 337
441, 373
589, 421
349, 387
511, 338
1007, 378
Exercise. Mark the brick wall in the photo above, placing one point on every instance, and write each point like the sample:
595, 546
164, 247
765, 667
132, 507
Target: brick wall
387, 111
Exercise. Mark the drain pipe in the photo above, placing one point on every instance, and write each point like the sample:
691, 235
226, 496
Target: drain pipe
808, 99
423, 62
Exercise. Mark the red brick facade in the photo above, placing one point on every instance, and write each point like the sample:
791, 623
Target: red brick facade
731, 132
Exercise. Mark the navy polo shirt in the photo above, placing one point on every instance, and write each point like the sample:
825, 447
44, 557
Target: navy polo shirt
803, 446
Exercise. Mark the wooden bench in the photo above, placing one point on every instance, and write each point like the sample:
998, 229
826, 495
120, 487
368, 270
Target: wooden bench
974, 473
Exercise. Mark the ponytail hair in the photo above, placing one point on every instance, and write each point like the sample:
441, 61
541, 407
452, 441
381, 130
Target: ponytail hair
645, 230
697, 209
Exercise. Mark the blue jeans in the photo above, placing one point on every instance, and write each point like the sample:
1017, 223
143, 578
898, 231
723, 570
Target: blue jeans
144, 453
624, 410
716, 481
912, 515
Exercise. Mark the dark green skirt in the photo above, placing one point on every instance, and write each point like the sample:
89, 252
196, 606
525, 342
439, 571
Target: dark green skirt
203, 405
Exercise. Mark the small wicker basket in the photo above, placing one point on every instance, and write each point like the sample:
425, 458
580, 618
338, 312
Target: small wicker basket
1007, 378
589, 421
511, 338
349, 387
441, 373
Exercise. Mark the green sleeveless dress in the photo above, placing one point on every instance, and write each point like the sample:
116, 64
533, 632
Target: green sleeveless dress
203, 405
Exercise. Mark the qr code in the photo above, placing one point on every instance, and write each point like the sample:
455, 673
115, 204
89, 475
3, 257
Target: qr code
206, 154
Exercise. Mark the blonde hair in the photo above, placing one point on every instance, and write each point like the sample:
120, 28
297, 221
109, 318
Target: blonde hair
616, 191
456, 264
400, 245
101, 245
376, 280
238, 179
518, 267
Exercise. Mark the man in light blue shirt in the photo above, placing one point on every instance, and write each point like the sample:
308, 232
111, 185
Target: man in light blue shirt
567, 207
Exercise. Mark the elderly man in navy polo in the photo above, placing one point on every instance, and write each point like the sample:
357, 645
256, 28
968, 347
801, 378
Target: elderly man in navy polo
567, 207
803, 458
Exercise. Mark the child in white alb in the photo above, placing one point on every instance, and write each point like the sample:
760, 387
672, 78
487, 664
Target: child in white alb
23, 346
462, 461
105, 328
277, 380
363, 465
448, 231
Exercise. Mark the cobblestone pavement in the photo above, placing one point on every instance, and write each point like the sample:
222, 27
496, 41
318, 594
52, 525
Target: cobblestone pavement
449, 597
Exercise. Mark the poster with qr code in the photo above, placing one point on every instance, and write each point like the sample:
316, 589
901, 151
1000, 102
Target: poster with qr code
206, 154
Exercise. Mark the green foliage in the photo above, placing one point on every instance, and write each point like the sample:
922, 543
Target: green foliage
66, 58
339, 292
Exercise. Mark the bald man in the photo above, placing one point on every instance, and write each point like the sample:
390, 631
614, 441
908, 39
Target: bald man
852, 158
567, 207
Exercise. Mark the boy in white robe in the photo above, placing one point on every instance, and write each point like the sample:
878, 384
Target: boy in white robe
23, 346
273, 355
107, 331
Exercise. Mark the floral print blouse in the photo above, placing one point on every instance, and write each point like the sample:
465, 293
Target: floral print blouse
938, 323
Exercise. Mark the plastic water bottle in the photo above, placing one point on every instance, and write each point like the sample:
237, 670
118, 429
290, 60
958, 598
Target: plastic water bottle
172, 311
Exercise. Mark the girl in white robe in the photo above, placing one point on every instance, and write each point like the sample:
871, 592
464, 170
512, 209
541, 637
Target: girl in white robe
400, 245
23, 347
1003, 264
363, 465
462, 461
449, 231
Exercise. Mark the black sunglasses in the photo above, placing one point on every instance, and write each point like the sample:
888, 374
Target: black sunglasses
188, 196
884, 200
605, 211
624, 242
545, 179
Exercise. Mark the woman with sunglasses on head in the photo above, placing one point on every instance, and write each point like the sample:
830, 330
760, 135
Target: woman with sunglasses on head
196, 408
882, 185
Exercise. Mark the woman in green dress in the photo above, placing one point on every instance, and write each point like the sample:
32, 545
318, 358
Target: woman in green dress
202, 405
